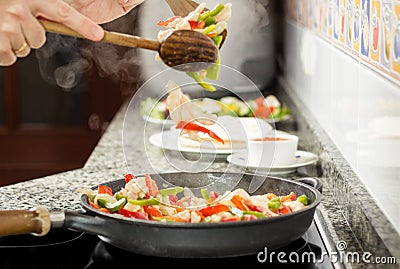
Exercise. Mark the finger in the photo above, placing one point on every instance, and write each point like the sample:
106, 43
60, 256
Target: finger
33, 31
7, 57
17, 42
26, 30
60, 11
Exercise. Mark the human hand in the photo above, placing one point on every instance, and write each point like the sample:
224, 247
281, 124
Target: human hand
101, 11
20, 30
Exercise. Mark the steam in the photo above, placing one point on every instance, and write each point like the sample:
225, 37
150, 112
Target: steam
64, 61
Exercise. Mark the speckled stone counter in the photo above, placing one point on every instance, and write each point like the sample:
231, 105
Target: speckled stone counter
346, 212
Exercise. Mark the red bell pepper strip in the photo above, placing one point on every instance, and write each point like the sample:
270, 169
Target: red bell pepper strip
93, 205
289, 197
167, 21
190, 126
133, 214
129, 177
262, 110
230, 219
238, 201
152, 211
151, 185
214, 209
101, 189
284, 209
196, 24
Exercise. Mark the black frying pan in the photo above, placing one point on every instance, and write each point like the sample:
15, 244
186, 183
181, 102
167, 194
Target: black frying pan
183, 239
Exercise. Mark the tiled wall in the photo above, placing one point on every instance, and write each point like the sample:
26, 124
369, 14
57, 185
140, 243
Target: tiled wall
347, 74
368, 30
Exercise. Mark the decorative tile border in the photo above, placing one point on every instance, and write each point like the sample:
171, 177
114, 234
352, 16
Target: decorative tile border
368, 30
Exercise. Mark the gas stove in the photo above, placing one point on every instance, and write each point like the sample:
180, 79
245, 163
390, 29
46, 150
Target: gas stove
65, 249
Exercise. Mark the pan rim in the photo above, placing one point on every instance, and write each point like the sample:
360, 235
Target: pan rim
219, 225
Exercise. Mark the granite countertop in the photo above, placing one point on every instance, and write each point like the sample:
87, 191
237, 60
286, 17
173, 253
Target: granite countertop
346, 212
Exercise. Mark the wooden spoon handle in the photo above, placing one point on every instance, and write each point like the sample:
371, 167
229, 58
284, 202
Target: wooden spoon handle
109, 37
34, 221
182, 7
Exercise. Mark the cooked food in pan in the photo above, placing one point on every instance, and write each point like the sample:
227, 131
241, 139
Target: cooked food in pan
140, 198
212, 23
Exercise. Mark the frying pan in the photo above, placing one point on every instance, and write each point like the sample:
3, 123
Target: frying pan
182, 240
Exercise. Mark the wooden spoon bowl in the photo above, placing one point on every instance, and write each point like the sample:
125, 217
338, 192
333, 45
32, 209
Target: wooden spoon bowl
188, 51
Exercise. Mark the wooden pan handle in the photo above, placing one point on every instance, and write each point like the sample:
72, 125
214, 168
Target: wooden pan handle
109, 37
34, 221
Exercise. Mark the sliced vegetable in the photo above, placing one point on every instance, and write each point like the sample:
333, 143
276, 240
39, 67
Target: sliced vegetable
205, 194
152, 211
114, 207
133, 214
202, 82
238, 201
198, 128
275, 204
290, 197
215, 11
144, 202
129, 177
213, 70
258, 215
165, 23
171, 191
303, 199
209, 21
101, 189
214, 209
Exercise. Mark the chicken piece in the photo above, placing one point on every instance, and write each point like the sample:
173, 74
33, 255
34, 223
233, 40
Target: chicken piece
181, 108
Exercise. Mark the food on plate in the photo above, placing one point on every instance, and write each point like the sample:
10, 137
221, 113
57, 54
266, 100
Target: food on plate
212, 23
140, 198
227, 132
270, 108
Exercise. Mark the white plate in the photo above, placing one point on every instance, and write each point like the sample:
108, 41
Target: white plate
171, 122
303, 158
169, 140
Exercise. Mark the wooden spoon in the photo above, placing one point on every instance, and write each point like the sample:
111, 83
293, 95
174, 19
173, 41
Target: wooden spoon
184, 7
184, 50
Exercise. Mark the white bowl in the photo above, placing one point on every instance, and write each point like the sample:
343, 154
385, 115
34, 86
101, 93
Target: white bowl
278, 150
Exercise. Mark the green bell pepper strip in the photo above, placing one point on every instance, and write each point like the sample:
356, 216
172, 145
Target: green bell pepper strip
303, 199
275, 204
217, 40
205, 194
214, 12
201, 82
209, 29
209, 21
119, 196
144, 202
171, 191
213, 70
112, 207
258, 215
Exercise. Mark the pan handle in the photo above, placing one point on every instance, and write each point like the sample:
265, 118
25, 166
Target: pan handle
312, 181
34, 221
81, 222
